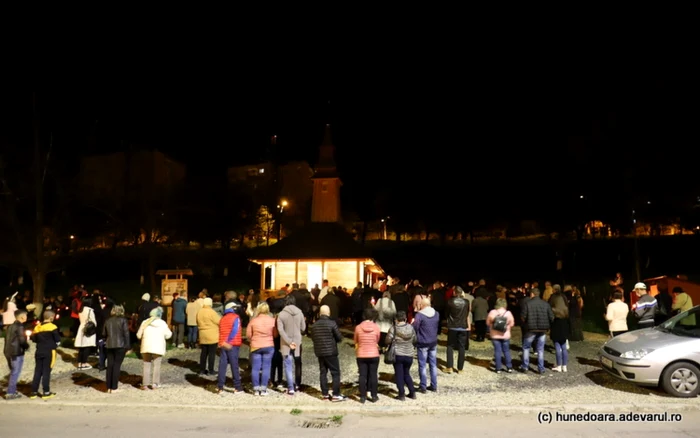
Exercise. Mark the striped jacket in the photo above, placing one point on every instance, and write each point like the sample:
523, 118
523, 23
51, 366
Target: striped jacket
646, 308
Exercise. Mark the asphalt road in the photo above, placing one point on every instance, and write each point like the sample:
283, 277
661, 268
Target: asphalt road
57, 421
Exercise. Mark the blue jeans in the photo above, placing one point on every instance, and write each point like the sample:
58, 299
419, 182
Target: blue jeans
428, 354
102, 354
260, 362
501, 347
192, 333
289, 364
15, 364
531, 337
561, 353
230, 357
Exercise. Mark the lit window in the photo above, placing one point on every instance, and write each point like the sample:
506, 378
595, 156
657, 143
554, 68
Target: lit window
261, 171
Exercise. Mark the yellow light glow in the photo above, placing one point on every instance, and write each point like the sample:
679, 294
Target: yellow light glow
72, 237
284, 203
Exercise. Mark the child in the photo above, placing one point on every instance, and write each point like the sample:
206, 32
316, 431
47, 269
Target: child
46, 338
15, 346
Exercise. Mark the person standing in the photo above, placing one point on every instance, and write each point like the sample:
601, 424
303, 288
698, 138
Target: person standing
290, 325
616, 315
427, 326
116, 334
386, 312
366, 341
230, 341
179, 320
501, 339
208, 325
47, 339
326, 336
192, 331
404, 338
15, 346
457, 319
260, 332
645, 308
537, 316
153, 333
86, 339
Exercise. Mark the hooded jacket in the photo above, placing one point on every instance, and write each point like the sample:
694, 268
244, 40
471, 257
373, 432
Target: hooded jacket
326, 335
208, 323
290, 324
153, 332
427, 325
386, 310
367, 339
404, 337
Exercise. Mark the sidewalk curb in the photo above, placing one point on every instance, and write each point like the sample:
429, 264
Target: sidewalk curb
350, 407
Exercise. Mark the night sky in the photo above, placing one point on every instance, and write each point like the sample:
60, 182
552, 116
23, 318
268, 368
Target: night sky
510, 138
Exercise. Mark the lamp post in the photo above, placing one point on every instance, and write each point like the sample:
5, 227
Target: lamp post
384, 227
281, 207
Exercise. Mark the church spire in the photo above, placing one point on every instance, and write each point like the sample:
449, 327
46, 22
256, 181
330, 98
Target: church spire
325, 203
326, 155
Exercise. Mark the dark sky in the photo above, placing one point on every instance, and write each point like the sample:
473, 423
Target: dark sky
490, 129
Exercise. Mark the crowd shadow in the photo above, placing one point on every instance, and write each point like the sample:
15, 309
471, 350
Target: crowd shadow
587, 361
86, 380
187, 364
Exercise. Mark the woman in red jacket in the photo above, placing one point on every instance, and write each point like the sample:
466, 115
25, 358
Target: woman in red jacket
367, 352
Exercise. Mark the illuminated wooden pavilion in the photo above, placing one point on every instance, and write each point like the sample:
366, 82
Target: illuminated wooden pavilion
323, 249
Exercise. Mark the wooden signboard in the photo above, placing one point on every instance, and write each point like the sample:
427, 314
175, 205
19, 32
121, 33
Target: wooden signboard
171, 286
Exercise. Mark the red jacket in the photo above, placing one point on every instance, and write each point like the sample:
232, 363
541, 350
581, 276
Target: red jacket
229, 322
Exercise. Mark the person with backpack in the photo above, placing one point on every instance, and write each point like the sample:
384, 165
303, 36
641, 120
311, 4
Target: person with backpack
500, 320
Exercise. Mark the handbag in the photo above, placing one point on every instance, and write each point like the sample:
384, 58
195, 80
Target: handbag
90, 328
390, 353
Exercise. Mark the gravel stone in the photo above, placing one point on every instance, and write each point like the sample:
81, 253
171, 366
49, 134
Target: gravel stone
585, 383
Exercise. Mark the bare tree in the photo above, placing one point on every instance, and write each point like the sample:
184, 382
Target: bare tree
32, 224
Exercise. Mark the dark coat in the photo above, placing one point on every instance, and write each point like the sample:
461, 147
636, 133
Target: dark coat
326, 335
537, 315
116, 332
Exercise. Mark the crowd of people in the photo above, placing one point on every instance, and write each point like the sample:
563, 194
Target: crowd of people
394, 322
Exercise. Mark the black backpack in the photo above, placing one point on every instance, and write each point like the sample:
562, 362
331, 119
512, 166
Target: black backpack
500, 323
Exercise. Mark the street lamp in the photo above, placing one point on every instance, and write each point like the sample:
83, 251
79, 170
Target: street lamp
72, 237
281, 206
384, 228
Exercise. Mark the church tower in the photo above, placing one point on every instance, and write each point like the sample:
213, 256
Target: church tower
325, 204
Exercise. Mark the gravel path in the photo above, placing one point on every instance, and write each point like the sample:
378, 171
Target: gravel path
585, 383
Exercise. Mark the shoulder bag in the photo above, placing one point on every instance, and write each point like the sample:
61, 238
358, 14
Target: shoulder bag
390, 354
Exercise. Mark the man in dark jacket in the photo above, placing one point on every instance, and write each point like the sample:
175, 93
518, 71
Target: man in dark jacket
664, 304
357, 303
326, 335
537, 317
333, 302
302, 298
457, 316
179, 320
15, 346
437, 300
646, 306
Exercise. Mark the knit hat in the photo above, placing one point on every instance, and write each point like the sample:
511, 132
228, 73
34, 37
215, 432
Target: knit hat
156, 313
208, 302
146, 297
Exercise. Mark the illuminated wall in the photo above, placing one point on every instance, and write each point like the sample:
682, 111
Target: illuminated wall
285, 273
342, 274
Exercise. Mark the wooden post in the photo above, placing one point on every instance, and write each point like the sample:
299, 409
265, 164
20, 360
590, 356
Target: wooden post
296, 272
262, 276
357, 277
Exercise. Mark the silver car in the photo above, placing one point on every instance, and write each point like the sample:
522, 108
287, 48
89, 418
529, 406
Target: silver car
667, 355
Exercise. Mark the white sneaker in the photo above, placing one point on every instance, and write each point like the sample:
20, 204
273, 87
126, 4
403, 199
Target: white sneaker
181, 346
557, 369
563, 369
264, 393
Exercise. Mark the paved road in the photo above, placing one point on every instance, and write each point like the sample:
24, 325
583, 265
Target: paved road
74, 422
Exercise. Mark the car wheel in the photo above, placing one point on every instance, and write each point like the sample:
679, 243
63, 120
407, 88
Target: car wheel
681, 379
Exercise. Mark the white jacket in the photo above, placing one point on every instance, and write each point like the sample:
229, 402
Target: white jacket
153, 334
87, 314
616, 316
